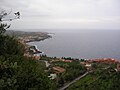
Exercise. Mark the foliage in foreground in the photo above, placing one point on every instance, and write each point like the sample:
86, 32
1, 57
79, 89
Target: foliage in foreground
18, 72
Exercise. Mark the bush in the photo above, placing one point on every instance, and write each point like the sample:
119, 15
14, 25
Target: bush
10, 46
18, 72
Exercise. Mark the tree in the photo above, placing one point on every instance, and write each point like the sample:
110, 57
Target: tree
16, 71
3, 17
4, 14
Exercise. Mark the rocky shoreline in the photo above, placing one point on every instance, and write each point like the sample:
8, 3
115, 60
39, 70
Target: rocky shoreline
33, 48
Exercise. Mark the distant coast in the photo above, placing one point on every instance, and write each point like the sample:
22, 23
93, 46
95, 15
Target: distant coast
32, 49
25, 37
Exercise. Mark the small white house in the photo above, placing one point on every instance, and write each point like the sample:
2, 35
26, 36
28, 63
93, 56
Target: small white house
88, 65
52, 76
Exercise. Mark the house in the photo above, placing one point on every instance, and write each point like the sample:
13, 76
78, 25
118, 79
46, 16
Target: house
67, 60
58, 69
88, 65
52, 76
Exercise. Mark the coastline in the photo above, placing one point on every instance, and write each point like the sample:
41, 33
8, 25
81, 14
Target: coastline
32, 50
43, 48
36, 51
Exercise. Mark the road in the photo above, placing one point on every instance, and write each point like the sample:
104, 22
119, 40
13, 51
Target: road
68, 84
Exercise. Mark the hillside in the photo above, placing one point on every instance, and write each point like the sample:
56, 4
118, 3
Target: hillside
99, 79
28, 36
18, 72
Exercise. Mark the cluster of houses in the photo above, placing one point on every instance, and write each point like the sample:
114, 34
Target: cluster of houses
88, 63
57, 69
103, 60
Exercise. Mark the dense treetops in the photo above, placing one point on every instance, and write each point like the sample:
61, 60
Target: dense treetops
18, 72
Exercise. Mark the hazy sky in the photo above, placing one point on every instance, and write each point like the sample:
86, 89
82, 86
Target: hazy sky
73, 14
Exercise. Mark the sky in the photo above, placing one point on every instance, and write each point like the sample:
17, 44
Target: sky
64, 14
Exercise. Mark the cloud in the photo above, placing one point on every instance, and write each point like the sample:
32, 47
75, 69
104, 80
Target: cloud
48, 13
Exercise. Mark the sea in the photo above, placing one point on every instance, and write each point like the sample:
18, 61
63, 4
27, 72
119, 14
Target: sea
82, 44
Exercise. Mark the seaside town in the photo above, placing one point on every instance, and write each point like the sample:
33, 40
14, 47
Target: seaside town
82, 55
65, 73
57, 67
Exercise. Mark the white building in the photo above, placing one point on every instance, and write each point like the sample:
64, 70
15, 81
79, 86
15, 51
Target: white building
52, 76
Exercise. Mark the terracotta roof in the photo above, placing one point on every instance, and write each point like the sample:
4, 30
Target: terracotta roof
103, 60
59, 69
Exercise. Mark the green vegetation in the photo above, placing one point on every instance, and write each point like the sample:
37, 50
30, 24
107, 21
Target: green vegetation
100, 79
45, 57
73, 70
3, 28
18, 72
10, 46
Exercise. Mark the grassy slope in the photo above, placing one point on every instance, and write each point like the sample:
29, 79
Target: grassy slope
99, 80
